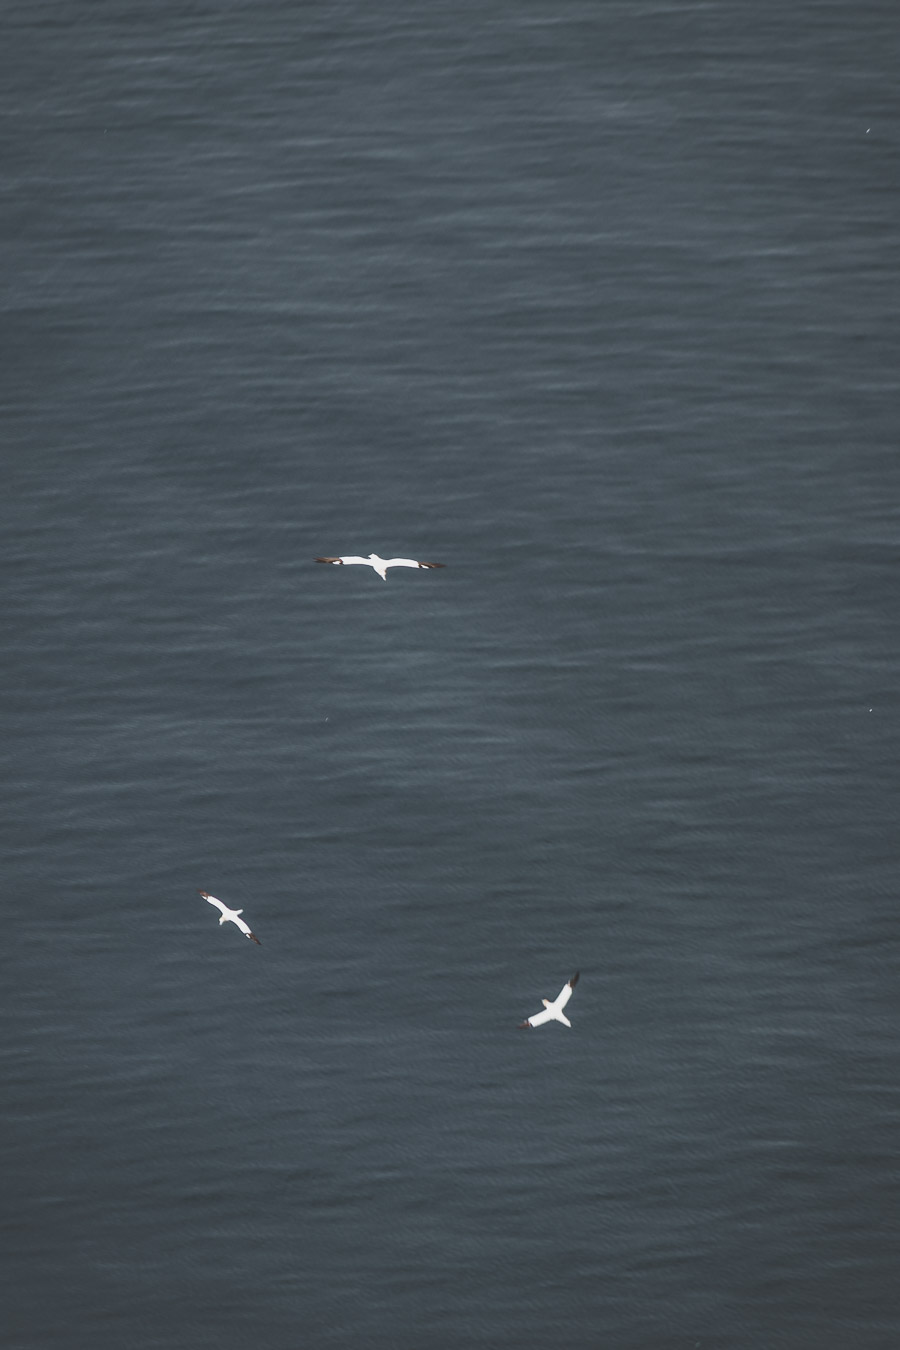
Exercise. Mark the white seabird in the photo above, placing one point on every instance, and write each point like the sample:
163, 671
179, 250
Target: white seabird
381, 564
231, 914
553, 1012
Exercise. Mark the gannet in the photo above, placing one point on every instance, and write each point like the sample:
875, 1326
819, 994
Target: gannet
553, 1012
381, 564
231, 914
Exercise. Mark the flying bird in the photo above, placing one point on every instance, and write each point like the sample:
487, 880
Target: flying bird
381, 564
553, 1012
232, 914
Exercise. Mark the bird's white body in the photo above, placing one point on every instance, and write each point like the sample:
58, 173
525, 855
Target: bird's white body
231, 914
553, 1012
380, 564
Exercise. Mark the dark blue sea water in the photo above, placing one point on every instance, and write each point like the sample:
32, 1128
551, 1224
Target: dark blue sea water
595, 303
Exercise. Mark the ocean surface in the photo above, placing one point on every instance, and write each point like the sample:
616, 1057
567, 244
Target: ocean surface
595, 302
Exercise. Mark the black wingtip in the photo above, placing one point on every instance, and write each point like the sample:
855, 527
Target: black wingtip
574, 979
523, 1025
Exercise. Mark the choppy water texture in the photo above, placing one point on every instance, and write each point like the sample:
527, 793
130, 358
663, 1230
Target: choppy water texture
596, 304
